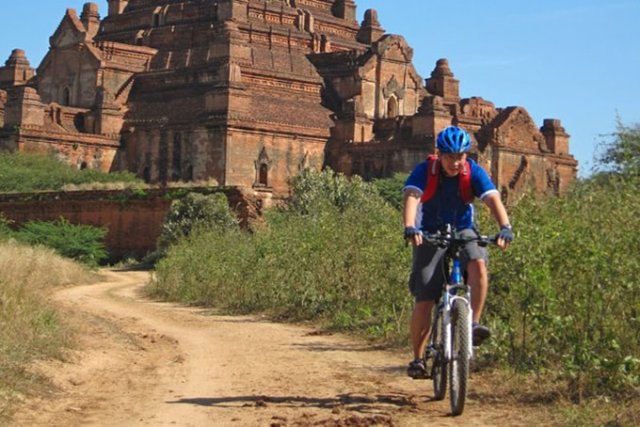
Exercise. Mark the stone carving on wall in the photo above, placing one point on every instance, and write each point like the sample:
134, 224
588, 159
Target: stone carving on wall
304, 162
263, 166
232, 72
518, 176
394, 47
393, 88
553, 180
349, 109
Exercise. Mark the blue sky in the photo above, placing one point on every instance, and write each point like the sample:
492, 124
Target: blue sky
573, 60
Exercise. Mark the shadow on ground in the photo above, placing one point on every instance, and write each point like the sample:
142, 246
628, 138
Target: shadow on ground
360, 403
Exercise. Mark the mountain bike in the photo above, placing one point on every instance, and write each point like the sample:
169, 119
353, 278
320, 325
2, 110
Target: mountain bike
450, 345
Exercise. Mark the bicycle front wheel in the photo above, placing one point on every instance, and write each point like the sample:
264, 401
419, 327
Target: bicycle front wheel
460, 355
439, 369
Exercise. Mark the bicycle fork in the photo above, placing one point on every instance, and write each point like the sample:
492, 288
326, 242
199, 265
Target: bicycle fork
447, 327
450, 296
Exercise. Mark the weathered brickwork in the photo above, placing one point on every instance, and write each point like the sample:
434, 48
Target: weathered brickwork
248, 92
133, 220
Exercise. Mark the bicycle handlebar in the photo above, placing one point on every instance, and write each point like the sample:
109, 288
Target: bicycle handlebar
446, 239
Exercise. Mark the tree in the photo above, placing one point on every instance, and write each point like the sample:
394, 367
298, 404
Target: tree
192, 211
621, 155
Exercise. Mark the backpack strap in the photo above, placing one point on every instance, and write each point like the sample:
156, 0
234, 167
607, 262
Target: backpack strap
464, 180
433, 180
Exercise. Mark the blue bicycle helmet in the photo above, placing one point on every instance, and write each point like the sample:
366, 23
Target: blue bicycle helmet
453, 140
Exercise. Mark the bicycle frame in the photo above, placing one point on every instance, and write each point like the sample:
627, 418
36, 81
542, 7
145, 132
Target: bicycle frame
450, 293
450, 341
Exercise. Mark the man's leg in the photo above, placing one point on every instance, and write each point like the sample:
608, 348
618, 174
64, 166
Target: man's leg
478, 280
425, 283
420, 326
419, 330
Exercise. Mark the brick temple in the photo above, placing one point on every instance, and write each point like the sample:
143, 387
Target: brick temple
249, 92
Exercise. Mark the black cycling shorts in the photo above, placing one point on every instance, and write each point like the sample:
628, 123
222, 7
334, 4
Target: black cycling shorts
428, 270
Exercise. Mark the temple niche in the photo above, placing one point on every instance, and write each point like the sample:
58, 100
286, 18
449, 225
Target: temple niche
246, 93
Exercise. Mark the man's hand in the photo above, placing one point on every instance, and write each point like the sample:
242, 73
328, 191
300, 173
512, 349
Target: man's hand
413, 235
504, 237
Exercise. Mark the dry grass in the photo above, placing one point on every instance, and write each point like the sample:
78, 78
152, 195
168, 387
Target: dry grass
30, 326
605, 412
100, 186
39, 268
551, 403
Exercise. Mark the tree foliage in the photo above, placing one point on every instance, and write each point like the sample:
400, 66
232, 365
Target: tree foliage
313, 191
194, 211
621, 154
389, 189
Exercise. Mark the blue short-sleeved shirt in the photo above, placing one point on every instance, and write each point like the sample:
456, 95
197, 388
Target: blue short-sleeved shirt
446, 206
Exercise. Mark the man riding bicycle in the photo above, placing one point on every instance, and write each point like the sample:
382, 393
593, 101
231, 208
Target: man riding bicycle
439, 192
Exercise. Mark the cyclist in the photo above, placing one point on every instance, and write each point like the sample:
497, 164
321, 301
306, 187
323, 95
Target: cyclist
446, 206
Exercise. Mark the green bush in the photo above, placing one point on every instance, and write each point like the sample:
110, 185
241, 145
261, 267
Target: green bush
389, 189
621, 153
23, 172
5, 228
83, 243
334, 253
313, 192
565, 298
194, 211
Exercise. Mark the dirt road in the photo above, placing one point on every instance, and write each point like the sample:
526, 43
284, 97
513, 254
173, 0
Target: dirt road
148, 363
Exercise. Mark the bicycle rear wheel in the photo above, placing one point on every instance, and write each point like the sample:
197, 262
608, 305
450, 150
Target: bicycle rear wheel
459, 365
439, 368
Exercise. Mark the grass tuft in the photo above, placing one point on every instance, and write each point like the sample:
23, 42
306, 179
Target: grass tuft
30, 326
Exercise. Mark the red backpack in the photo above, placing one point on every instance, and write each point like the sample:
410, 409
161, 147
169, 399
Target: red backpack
433, 180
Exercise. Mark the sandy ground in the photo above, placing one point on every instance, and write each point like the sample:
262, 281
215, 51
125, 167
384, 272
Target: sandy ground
145, 363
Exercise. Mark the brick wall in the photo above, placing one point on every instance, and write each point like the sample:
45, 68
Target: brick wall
133, 219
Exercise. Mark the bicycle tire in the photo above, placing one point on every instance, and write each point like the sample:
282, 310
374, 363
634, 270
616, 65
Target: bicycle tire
459, 364
439, 368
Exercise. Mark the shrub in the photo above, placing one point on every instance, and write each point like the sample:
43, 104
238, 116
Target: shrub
5, 227
389, 189
23, 172
564, 302
565, 297
313, 191
335, 253
193, 211
83, 243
